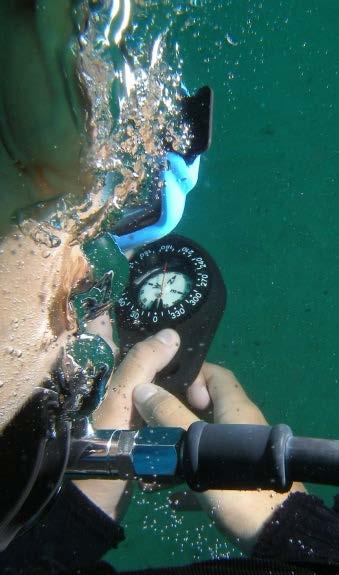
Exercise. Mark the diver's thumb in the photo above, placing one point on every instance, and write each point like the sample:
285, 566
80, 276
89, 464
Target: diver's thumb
160, 408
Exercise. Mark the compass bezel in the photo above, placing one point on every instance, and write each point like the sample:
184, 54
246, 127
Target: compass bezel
181, 256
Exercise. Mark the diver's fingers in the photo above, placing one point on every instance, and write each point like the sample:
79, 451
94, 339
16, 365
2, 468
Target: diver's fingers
141, 365
159, 407
230, 402
147, 358
197, 394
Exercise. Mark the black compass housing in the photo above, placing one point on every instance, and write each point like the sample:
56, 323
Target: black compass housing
173, 283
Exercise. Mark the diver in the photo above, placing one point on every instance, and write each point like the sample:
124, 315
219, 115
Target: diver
43, 153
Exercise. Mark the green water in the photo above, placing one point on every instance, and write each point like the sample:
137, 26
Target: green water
266, 207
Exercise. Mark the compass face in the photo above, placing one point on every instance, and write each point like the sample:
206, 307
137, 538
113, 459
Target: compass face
164, 290
168, 282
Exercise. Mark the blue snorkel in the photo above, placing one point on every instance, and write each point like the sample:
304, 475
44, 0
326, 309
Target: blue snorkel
149, 223
179, 179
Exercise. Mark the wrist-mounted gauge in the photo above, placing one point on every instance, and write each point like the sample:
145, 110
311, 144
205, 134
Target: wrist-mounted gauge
173, 283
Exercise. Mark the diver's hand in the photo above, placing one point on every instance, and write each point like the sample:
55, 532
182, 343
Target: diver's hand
240, 514
140, 366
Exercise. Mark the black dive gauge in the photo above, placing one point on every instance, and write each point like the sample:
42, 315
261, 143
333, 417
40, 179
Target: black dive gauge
173, 283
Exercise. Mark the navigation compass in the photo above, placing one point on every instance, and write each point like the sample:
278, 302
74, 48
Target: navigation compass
173, 283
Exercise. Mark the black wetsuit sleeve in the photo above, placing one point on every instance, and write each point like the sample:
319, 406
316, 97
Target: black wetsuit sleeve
73, 533
302, 529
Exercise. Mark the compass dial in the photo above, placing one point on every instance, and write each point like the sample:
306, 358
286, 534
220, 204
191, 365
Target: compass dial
168, 282
164, 290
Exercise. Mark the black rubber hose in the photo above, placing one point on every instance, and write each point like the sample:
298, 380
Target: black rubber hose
255, 456
313, 460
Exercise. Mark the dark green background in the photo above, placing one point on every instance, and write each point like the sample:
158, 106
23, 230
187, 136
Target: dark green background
266, 207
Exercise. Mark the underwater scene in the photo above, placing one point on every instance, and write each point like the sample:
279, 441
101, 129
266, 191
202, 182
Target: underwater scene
164, 164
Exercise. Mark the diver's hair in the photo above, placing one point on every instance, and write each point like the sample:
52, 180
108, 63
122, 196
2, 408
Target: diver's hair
74, 269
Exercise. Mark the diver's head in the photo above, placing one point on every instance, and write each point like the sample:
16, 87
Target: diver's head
47, 133
41, 141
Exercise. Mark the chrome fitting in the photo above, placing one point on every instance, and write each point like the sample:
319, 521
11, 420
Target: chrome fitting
148, 453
